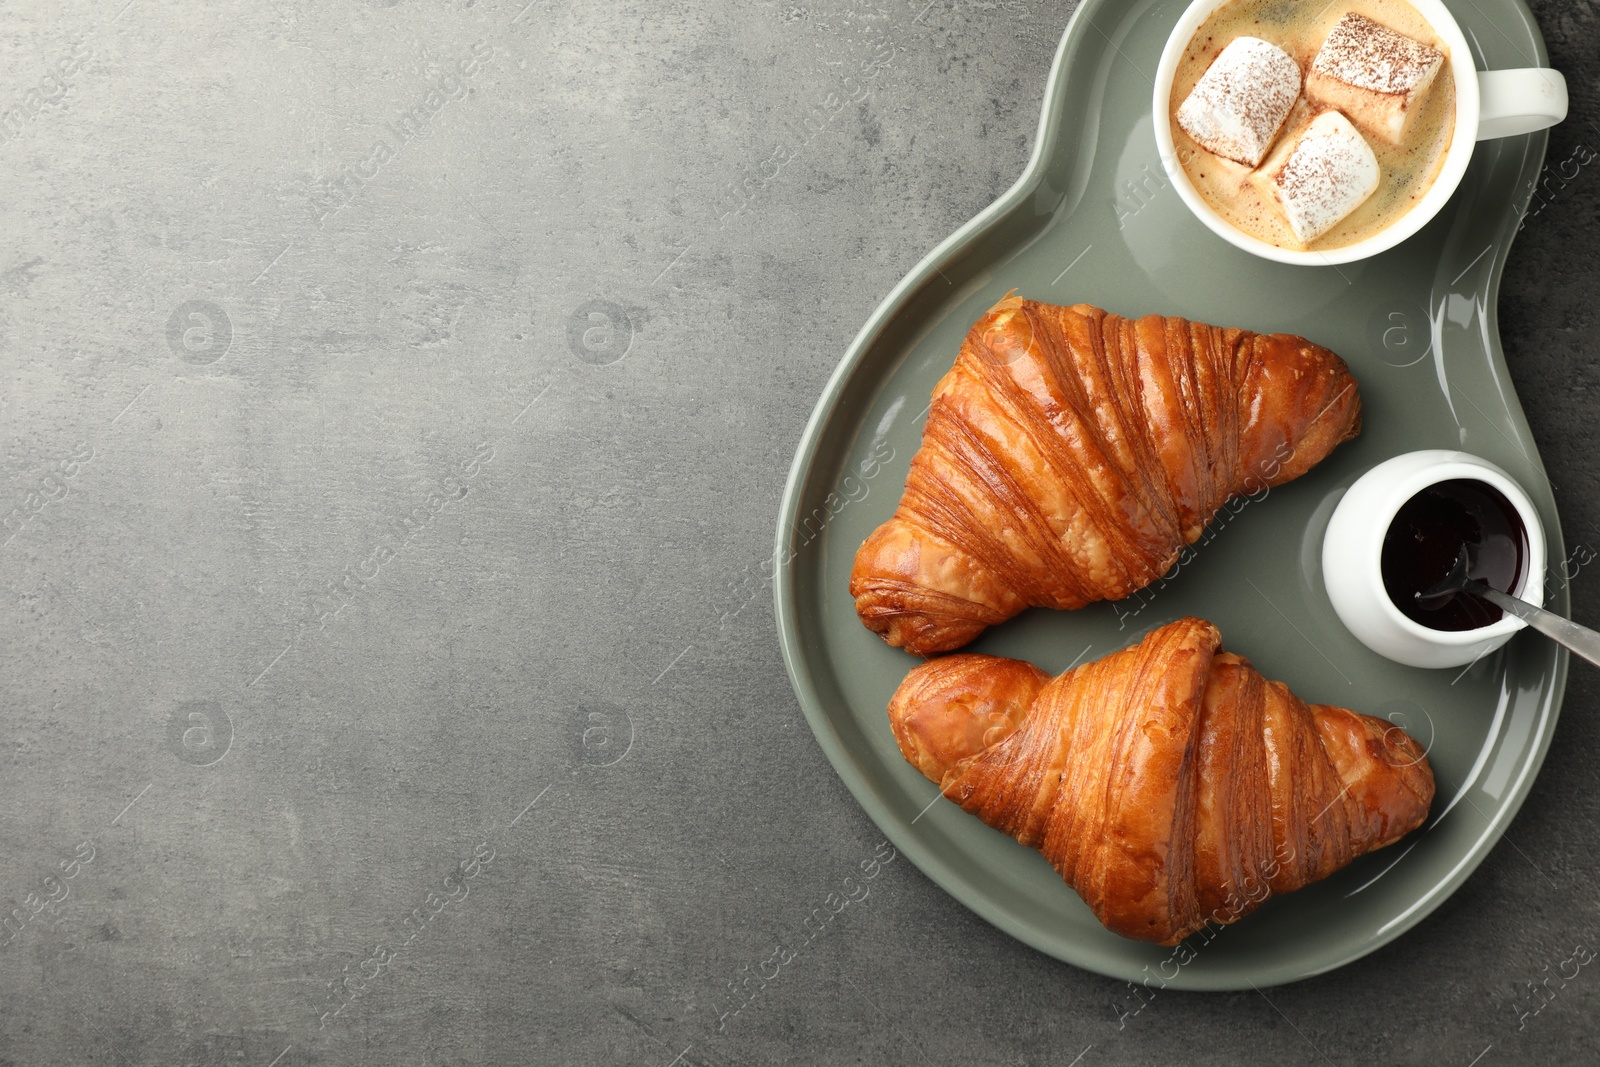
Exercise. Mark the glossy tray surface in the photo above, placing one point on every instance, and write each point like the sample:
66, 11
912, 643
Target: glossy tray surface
1093, 219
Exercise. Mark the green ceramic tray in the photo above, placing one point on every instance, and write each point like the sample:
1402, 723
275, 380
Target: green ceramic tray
1093, 219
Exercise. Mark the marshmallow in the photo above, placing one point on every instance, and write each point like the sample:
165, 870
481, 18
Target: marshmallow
1328, 173
1238, 106
1376, 76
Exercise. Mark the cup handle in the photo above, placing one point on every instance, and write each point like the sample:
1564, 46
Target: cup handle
1519, 101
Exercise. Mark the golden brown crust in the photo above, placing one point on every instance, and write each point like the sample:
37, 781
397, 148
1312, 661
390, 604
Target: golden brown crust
979, 702
1071, 454
1170, 783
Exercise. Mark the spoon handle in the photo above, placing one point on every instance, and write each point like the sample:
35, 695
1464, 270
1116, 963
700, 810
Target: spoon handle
1580, 639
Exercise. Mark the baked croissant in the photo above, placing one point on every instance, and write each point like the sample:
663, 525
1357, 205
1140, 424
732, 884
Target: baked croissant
1070, 455
1170, 783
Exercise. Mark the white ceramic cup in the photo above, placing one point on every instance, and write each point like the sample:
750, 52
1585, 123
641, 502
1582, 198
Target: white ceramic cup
1352, 559
1489, 104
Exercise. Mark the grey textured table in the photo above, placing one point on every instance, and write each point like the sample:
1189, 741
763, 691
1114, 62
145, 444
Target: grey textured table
396, 399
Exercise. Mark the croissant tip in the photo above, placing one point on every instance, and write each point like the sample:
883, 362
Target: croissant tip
1010, 302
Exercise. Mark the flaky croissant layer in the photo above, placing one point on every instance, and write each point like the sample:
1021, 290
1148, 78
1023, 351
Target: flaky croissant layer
1071, 454
1169, 783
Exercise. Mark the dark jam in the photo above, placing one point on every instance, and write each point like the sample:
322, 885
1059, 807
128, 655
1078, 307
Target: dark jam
1426, 536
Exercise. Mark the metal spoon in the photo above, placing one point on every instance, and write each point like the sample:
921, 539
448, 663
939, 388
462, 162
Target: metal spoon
1579, 639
